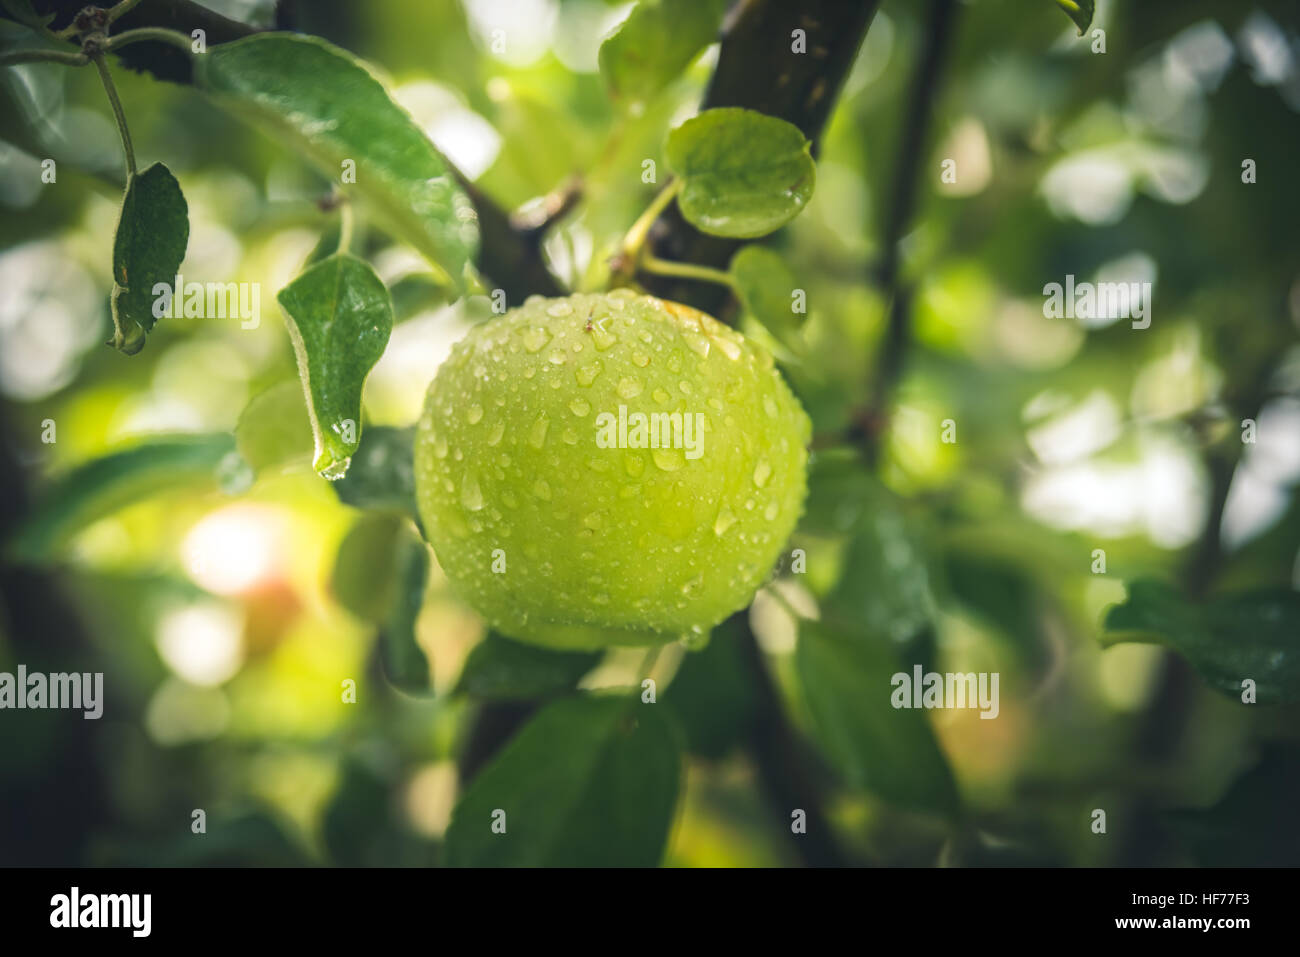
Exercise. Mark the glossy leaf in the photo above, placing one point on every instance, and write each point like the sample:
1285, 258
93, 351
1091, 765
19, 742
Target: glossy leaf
499, 669
153, 232
765, 286
656, 42
889, 751
340, 317
744, 174
1255, 635
104, 485
382, 474
590, 781
327, 106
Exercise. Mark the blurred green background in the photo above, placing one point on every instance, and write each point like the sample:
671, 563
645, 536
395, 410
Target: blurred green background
223, 628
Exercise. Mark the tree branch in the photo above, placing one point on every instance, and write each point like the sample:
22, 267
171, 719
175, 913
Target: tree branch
870, 423
791, 776
758, 70
510, 257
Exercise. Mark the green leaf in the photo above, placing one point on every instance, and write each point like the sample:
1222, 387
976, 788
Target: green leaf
404, 662
340, 319
744, 174
499, 669
839, 488
1255, 635
364, 580
382, 474
274, 430
326, 105
104, 485
889, 751
380, 575
765, 286
152, 234
713, 694
417, 294
657, 41
327, 245
589, 781
1080, 11
884, 588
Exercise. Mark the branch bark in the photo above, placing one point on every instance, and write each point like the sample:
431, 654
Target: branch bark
758, 70
870, 424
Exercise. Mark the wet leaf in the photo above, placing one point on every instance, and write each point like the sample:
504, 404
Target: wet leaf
340, 318
589, 782
744, 174
327, 106
153, 232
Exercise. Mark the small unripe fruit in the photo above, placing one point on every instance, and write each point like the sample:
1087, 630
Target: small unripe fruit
608, 469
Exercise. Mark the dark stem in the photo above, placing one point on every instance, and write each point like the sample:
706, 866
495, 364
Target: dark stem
509, 257
1164, 723
758, 70
118, 114
791, 776
869, 424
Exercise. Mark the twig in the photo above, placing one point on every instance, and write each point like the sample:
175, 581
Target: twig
536, 218
664, 267
870, 423
156, 34
120, 116
791, 775
1165, 720
758, 70
18, 57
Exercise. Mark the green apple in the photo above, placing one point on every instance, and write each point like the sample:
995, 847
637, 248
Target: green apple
608, 469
